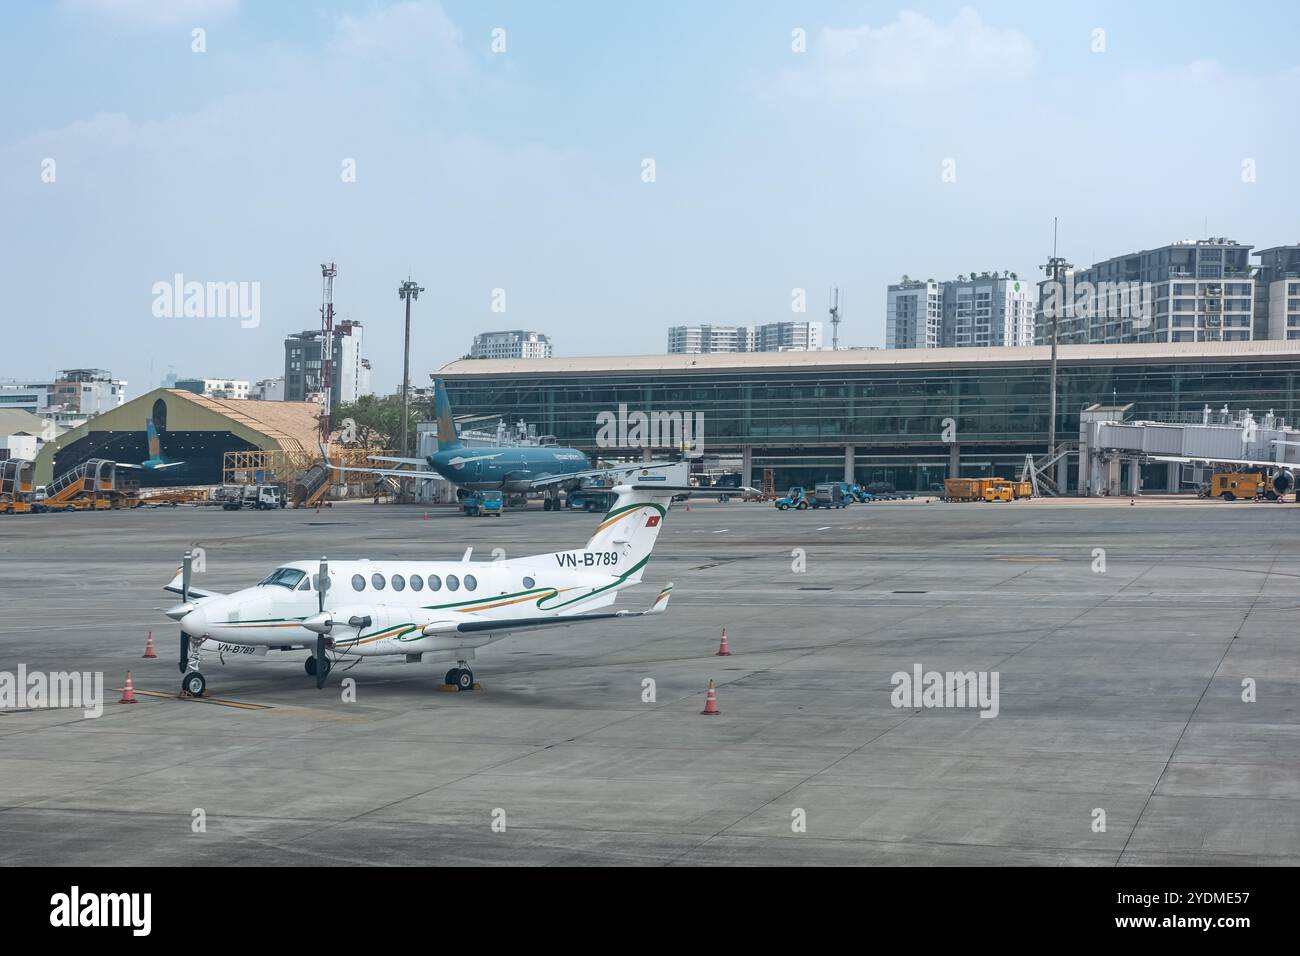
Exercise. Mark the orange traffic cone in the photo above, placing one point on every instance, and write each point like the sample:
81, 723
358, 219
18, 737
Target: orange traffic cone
723, 649
128, 692
148, 647
710, 700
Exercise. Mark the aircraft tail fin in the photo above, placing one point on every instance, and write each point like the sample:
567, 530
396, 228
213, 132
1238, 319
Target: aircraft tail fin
447, 437
631, 527
155, 446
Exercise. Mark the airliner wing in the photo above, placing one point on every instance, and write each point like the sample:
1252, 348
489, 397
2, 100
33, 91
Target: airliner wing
168, 464
620, 471
418, 462
385, 472
511, 625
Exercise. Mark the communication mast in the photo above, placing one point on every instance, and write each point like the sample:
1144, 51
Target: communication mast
835, 318
328, 272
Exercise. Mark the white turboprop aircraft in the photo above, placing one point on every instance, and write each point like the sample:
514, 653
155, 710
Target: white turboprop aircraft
422, 610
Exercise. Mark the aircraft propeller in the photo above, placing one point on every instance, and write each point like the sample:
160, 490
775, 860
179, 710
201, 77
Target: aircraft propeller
187, 569
322, 586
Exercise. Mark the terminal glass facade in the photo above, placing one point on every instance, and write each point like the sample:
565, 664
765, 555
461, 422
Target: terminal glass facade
893, 418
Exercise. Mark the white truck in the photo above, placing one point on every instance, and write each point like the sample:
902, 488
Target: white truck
261, 497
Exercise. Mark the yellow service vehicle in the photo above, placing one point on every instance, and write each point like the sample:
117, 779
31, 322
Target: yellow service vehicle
964, 489
999, 489
1023, 489
1230, 485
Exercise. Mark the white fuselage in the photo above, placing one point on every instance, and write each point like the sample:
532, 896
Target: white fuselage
395, 607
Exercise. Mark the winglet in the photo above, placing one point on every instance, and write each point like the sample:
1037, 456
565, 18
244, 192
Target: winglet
661, 602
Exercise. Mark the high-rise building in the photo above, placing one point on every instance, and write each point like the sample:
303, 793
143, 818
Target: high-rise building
215, 387
699, 339
350, 373
977, 311
513, 344
788, 337
772, 337
1277, 293
914, 315
1197, 290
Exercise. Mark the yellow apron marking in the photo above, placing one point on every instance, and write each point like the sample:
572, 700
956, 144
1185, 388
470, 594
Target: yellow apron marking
241, 705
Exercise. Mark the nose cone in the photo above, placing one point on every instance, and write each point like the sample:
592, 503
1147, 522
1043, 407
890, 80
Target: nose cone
195, 623
180, 610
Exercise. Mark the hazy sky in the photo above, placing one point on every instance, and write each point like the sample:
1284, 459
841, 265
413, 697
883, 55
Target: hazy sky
522, 170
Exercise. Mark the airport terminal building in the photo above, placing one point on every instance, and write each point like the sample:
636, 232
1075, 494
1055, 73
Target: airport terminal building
870, 415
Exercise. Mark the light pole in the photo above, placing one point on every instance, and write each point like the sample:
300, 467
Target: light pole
407, 291
1056, 267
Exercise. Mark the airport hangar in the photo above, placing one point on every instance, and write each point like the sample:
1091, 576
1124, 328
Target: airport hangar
191, 428
875, 415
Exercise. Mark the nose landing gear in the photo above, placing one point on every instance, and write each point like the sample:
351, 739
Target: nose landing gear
309, 665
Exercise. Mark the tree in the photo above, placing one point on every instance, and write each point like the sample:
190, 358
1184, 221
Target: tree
378, 420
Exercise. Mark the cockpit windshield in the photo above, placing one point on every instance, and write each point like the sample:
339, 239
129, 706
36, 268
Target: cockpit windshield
284, 577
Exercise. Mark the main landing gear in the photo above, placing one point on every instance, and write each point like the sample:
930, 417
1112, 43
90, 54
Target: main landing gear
309, 665
460, 677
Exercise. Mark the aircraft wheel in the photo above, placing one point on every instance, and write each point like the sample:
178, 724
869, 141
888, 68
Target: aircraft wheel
1271, 495
465, 679
194, 684
452, 677
546, 506
309, 665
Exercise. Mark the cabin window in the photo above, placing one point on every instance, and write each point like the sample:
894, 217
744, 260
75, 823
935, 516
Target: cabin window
399, 582
285, 577
453, 583
471, 582
417, 583
529, 582
377, 581
358, 583
435, 583
306, 584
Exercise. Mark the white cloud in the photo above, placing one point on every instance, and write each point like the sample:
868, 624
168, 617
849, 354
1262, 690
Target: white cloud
412, 30
153, 13
914, 54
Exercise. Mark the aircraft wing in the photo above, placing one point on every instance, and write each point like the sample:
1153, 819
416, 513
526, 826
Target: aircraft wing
601, 473
510, 625
174, 586
385, 472
168, 464
122, 464
418, 462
